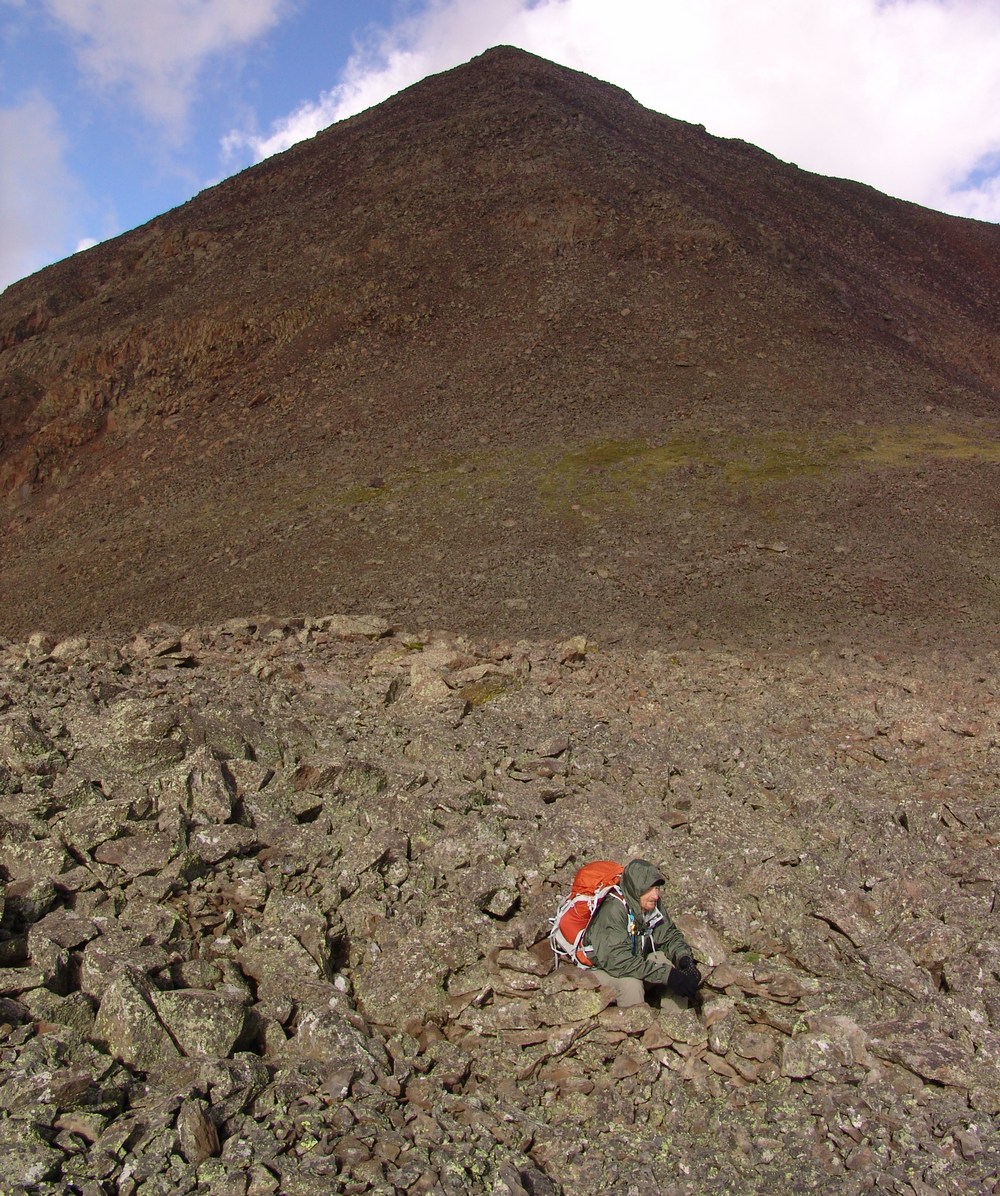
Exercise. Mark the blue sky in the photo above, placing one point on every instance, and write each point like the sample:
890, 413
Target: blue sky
113, 111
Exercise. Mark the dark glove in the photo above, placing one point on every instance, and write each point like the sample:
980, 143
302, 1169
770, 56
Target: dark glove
684, 982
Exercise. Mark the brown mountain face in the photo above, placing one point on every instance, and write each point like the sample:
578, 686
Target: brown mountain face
511, 353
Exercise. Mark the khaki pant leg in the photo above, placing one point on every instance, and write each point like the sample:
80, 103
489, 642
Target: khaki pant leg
628, 989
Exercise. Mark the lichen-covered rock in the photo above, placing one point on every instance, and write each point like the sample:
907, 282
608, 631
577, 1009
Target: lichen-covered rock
140, 738
920, 1048
328, 1037
707, 943
15, 981
213, 844
87, 825
26, 751
809, 1053
201, 1022
280, 966
103, 958
197, 1135
297, 918
28, 1159
574, 1005
75, 1010
28, 901
209, 789
135, 854
353, 627
26, 858
930, 943
127, 1022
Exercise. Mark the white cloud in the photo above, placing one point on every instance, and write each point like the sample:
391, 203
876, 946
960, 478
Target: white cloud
981, 202
36, 189
156, 48
445, 33
902, 94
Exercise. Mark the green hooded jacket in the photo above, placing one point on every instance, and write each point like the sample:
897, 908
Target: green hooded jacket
618, 933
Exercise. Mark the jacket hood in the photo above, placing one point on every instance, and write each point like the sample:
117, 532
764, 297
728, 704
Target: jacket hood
639, 876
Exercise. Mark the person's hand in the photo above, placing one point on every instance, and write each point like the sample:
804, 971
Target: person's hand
687, 964
683, 981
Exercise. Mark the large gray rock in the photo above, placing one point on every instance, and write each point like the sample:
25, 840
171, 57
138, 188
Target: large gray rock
28, 901
328, 1037
201, 1022
138, 739
135, 854
128, 1024
104, 957
279, 966
353, 627
298, 919
26, 751
922, 1049
28, 1159
87, 826
209, 788
214, 843
23, 857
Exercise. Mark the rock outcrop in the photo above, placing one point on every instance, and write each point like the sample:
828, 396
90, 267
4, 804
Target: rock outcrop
275, 894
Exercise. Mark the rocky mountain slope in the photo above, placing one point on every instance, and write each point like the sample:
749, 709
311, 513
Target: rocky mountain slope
510, 352
275, 898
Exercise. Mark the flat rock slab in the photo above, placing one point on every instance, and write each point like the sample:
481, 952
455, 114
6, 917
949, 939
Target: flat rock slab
918, 1047
65, 928
137, 854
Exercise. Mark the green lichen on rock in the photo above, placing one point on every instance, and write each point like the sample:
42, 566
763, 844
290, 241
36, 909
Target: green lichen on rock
489, 688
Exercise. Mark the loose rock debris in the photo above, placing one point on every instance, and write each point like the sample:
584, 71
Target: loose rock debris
275, 897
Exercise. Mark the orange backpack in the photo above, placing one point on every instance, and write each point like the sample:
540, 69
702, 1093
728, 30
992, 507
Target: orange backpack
591, 885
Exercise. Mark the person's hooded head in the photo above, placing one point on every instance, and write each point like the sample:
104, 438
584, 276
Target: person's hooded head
641, 883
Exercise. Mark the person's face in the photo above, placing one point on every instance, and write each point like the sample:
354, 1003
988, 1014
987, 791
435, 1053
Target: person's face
647, 902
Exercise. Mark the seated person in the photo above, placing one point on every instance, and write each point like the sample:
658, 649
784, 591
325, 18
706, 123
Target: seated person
634, 945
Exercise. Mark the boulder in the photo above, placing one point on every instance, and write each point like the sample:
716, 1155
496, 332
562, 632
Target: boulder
922, 1049
29, 859
136, 854
104, 957
328, 1037
213, 844
707, 944
197, 1135
353, 627
28, 1159
87, 826
279, 966
27, 752
201, 1022
209, 788
128, 1025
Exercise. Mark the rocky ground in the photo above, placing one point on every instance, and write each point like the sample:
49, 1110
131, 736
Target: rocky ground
275, 897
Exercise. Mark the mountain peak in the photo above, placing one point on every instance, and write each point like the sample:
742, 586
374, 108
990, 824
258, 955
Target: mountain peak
507, 297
